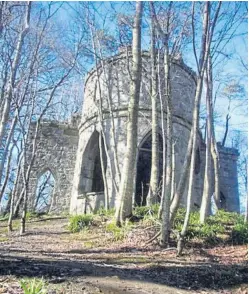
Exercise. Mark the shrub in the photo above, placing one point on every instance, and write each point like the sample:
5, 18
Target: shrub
34, 286
78, 222
239, 234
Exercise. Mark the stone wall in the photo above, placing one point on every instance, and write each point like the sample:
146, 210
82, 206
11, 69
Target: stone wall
229, 178
56, 151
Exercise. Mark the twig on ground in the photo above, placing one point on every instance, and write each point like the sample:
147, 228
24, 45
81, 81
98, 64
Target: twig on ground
153, 238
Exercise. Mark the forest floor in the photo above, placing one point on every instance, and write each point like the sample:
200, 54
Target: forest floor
88, 262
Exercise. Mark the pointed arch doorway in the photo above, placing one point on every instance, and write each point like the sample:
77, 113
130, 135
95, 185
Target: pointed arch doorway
144, 168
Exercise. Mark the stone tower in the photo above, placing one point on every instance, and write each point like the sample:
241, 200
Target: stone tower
115, 81
71, 151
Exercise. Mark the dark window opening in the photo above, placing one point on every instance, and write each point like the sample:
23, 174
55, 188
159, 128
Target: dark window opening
97, 179
144, 169
91, 179
197, 161
222, 201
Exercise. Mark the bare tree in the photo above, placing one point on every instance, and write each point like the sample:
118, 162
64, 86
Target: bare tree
124, 207
154, 175
7, 98
208, 28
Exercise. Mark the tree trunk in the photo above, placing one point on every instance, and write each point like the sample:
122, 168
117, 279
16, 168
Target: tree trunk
152, 195
101, 153
173, 172
24, 212
7, 173
226, 130
208, 29
8, 98
127, 186
13, 195
216, 161
169, 130
100, 117
6, 147
110, 106
206, 196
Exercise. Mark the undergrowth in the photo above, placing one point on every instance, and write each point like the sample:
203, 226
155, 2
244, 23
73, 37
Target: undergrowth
106, 212
147, 211
118, 233
214, 227
78, 222
239, 234
222, 227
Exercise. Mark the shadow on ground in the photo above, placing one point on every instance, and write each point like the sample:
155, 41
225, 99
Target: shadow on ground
196, 277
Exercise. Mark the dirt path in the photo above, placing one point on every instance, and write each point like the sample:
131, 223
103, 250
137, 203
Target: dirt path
48, 250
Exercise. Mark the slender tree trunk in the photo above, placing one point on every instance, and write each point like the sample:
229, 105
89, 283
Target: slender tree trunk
208, 29
7, 173
109, 100
101, 153
13, 196
173, 172
152, 195
167, 192
163, 139
211, 150
194, 130
100, 115
127, 186
8, 98
214, 147
24, 211
6, 147
206, 196
184, 175
7, 208
216, 161
228, 117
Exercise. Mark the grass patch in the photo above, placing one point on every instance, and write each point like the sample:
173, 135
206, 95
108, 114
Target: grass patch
31, 215
79, 222
33, 286
3, 239
89, 244
118, 233
214, 227
226, 218
108, 213
239, 234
